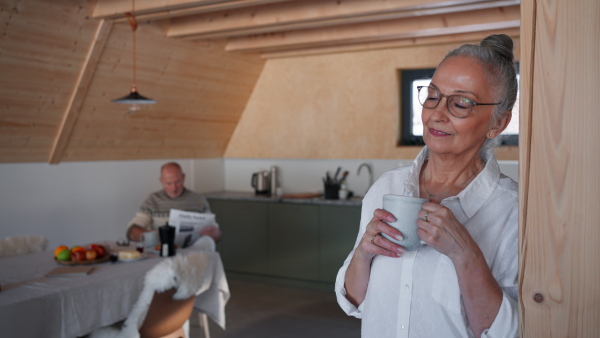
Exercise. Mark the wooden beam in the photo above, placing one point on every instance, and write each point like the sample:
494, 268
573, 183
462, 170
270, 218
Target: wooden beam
454, 23
310, 14
526, 70
417, 41
163, 9
80, 90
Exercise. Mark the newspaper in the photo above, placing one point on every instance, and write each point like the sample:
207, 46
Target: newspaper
188, 225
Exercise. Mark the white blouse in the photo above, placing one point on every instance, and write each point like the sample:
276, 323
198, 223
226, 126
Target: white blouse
417, 295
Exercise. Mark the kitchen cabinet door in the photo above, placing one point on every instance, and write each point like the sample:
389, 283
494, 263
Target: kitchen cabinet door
215, 208
294, 241
243, 247
338, 228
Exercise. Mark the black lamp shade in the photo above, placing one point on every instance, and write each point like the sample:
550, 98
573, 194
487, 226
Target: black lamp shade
134, 98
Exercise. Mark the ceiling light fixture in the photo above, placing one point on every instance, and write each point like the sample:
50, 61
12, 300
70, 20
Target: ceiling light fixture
134, 99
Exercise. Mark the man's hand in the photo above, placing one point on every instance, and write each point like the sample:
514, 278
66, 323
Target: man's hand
135, 232
213, 232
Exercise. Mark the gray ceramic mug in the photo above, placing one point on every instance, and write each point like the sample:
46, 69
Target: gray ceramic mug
405, 209
150, 239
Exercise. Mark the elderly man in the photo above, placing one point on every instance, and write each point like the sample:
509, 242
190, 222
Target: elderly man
154, 212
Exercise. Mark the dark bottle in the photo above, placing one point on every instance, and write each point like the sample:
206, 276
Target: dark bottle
167, 240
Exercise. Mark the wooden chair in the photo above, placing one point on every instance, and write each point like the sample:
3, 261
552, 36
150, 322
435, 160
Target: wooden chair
166, 316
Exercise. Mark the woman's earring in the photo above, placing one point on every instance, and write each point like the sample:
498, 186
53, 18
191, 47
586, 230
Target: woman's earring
490, 135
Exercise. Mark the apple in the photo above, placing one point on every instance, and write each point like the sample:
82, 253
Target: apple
91, 254
77, 256
100, 249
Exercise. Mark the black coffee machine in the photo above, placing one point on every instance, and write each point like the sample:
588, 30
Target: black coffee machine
167, 240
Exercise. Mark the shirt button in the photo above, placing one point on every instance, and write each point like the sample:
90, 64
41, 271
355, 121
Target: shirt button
406, 286
402, 327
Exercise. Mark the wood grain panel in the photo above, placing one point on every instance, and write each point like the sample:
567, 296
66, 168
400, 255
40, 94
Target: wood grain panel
296, 15
376, 31
43, 45
560, 238
81, 86
347, 104
201, 92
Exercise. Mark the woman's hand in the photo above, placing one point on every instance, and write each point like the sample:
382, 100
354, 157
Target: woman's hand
479, 290
372, 243
443, 232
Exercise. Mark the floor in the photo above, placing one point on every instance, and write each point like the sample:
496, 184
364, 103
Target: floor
259, 310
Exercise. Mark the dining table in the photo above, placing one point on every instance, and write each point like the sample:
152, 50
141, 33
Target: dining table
35, 303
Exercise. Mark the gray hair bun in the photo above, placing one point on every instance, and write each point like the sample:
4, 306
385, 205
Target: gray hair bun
501, 44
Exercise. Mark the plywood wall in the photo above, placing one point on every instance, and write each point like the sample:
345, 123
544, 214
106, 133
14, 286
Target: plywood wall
343, 105
201, 89
559, 223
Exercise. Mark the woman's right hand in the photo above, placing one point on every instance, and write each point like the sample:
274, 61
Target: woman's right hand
372, 243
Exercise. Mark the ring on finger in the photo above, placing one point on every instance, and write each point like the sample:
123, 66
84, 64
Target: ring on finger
373, 238
425, 217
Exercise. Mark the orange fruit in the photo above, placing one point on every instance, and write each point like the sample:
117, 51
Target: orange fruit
77, 248
59, 249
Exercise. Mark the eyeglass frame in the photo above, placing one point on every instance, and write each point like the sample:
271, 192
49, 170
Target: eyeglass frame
473, 103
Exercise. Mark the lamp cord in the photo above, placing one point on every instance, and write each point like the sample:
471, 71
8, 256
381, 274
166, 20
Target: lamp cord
133, 23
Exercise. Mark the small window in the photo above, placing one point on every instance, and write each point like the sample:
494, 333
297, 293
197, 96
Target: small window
411, 126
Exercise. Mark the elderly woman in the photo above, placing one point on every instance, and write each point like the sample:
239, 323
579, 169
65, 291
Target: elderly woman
463, 282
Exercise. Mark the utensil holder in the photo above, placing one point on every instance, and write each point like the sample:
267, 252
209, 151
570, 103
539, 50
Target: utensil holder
332, 191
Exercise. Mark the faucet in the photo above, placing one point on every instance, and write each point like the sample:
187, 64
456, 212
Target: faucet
368, 166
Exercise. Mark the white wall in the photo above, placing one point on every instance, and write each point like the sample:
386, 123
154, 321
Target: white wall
296, 176
81, 202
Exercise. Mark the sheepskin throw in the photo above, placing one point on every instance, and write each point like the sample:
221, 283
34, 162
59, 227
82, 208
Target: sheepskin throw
185, 273
12, 246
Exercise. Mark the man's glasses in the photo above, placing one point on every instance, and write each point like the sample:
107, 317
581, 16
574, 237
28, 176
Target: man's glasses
458, 106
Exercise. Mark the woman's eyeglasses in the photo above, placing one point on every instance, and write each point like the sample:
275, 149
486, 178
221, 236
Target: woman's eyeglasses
458, 106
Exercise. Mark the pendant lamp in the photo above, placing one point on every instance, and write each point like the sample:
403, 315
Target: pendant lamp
134, 99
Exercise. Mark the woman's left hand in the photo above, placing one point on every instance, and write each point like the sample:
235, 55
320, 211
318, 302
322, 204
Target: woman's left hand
439, 228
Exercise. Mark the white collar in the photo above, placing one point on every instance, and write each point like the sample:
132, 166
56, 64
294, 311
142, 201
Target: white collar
475, 194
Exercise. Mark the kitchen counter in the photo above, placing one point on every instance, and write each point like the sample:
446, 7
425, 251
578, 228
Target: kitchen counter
249, 196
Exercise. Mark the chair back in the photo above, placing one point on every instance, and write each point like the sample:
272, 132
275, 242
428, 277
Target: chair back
166, 315
166, 301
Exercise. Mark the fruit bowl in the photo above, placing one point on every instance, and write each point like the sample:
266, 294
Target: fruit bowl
86, 262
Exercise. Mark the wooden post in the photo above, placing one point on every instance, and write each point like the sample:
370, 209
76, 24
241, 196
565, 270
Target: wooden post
559, 266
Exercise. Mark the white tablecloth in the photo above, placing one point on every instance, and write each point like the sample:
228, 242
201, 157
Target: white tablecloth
33, 305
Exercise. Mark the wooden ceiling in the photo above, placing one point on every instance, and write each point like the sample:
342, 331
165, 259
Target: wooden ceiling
278, 28
62, 62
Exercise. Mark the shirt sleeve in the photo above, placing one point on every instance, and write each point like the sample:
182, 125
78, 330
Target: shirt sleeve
140, 219
506, 323
340, 291
505, 270
368, 206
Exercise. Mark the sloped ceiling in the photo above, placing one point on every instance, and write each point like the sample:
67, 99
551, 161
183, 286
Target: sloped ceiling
61, 65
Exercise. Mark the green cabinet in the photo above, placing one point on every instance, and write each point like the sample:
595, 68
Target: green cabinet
338, 228
292, 241
243, 246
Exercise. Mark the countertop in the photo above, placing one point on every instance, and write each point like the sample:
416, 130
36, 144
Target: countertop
249, 196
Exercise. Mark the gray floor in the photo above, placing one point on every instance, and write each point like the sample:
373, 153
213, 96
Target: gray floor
258, 310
